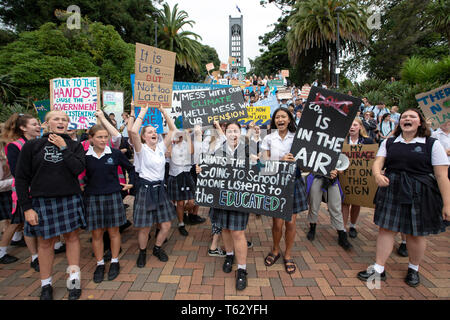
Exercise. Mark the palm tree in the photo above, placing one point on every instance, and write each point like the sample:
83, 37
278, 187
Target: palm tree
313, 25
174, 39
440, 19
6, 88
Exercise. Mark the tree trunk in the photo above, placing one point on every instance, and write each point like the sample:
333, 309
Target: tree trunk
326, 66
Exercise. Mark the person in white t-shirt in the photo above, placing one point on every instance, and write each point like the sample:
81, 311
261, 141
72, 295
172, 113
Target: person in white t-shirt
152, 203
443, 135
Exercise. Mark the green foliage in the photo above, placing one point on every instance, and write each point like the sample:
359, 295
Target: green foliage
52, 51
6, 110
419, 70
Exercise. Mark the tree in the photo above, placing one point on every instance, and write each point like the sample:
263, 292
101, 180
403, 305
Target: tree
208, 55
313, 25
129, 17
440, 16
54, 51
173, 38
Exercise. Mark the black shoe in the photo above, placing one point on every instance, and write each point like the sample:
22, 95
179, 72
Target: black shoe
160, 254
343, 241
107, 256
114, 270
142, 258
74, 294
47, 292
183, 231
352, 233
196, 219
35, 264
61, 249
402, 250
125, 226
366, 274
228, 263
20, 243
412, 278
249, 244
99, 273
241, 279
7, 259
186, 219
312, 232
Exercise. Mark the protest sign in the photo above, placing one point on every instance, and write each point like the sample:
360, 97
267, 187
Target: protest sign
305, 92
153, 117
78, 97
195, 86
113, 103
154, 72
285, 73
175, 111
234, 184
205, 107
270, 101
223, 81
209, 66
237, 83
325, 122
42, 108
215, 74
259, 115
435, 105
275, 83
232, 60
358, 182
223, 67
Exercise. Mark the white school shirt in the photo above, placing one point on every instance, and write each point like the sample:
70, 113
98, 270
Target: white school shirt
438, 154
151, 163
443, 138
180, 159
278, 147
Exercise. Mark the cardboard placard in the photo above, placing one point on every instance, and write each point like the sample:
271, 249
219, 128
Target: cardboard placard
42, 108
305, 92
435, 105
325, 122
113, 103
237, 185
357, 182
78, 97
237, 83
260, 116
285, 73
205, 107
209, 66
154, 72
223, 67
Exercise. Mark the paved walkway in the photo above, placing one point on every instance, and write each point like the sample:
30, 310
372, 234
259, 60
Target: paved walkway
326, 271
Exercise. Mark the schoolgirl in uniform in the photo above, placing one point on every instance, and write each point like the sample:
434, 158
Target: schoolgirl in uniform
19, 128
180, 185
50, 195
152, 203
413, 195
6, 182
277, 146
232, 222
102, 198
356, 135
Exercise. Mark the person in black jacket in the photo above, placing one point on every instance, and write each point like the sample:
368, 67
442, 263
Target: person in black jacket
103, 201
49, 193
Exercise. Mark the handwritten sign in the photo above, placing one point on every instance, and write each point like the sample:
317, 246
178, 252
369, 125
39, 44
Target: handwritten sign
235, 184
113, 103
152, 118
435, 105
42, 108
325, 122
358, 182
305, 92
285, 73
205, 107
210, 66
259, 115
223, 67
154, 72
78, 97
275, 83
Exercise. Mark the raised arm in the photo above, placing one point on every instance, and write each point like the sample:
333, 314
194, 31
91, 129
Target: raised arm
170, 124
134, 132
130, 122
113, 132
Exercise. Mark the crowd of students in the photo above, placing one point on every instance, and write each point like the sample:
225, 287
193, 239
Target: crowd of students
55, 184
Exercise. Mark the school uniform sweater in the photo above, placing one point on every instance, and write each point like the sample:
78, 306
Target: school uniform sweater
43, 170
101, 174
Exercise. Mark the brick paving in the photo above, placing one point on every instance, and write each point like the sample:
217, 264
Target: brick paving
325, 271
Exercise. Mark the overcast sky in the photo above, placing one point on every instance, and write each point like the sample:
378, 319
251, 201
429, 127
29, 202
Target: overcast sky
212, 22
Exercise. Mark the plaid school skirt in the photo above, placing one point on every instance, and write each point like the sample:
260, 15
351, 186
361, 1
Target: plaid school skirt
5, 205
19, 216
56, 216
411, 219
300, 202
228, 219
104, 211
142, 217
181, 187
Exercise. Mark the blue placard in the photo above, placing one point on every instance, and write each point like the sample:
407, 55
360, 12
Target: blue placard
153, 118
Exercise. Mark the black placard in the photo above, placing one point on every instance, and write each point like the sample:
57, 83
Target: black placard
234, 184
205, 107
325, 122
